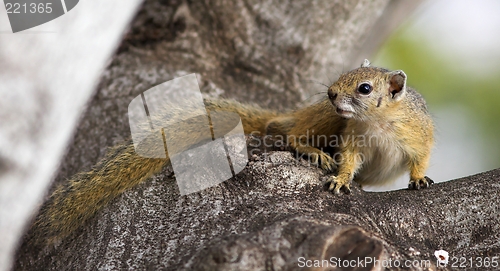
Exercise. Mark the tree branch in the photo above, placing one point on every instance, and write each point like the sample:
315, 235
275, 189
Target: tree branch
276, 210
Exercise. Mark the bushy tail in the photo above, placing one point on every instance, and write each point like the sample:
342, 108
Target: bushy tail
77, 200
254, 118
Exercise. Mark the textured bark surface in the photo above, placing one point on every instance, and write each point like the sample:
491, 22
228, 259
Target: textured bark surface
45, 80
275, 211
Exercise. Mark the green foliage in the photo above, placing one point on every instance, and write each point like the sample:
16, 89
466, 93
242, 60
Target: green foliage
444, 81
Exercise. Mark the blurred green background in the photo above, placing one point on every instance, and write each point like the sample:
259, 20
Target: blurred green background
450, 51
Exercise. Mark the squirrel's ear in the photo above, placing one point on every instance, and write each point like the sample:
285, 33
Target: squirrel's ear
365, 64
397, 84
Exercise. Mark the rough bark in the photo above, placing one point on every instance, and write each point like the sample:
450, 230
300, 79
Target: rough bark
276, 210
273, 213
45, 80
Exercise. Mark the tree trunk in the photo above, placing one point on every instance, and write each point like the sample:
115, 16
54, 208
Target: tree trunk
46, 78
274, 215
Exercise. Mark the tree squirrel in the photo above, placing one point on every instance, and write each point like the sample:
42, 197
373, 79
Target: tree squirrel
383, 126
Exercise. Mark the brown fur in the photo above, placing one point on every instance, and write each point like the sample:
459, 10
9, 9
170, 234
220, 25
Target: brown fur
392, 111
85, 193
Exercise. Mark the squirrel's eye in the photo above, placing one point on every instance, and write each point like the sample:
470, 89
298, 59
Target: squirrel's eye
365, 88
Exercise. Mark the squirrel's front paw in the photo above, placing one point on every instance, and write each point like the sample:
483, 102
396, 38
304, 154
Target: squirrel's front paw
420, 183
335, 184
323, 160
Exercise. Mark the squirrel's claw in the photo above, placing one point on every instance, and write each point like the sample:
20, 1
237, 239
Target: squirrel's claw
327, 162
324, 161
335, 185
416, 184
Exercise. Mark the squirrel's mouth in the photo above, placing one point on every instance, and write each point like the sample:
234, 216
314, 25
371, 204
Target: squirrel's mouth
344, 113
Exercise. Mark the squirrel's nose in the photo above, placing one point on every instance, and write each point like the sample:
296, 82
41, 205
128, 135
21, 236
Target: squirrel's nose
332, 96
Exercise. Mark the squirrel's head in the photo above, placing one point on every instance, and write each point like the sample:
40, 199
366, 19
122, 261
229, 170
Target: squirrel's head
365, 92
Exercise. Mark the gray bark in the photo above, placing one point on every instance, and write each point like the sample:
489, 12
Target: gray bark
45, 80
276, 210
273, 213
